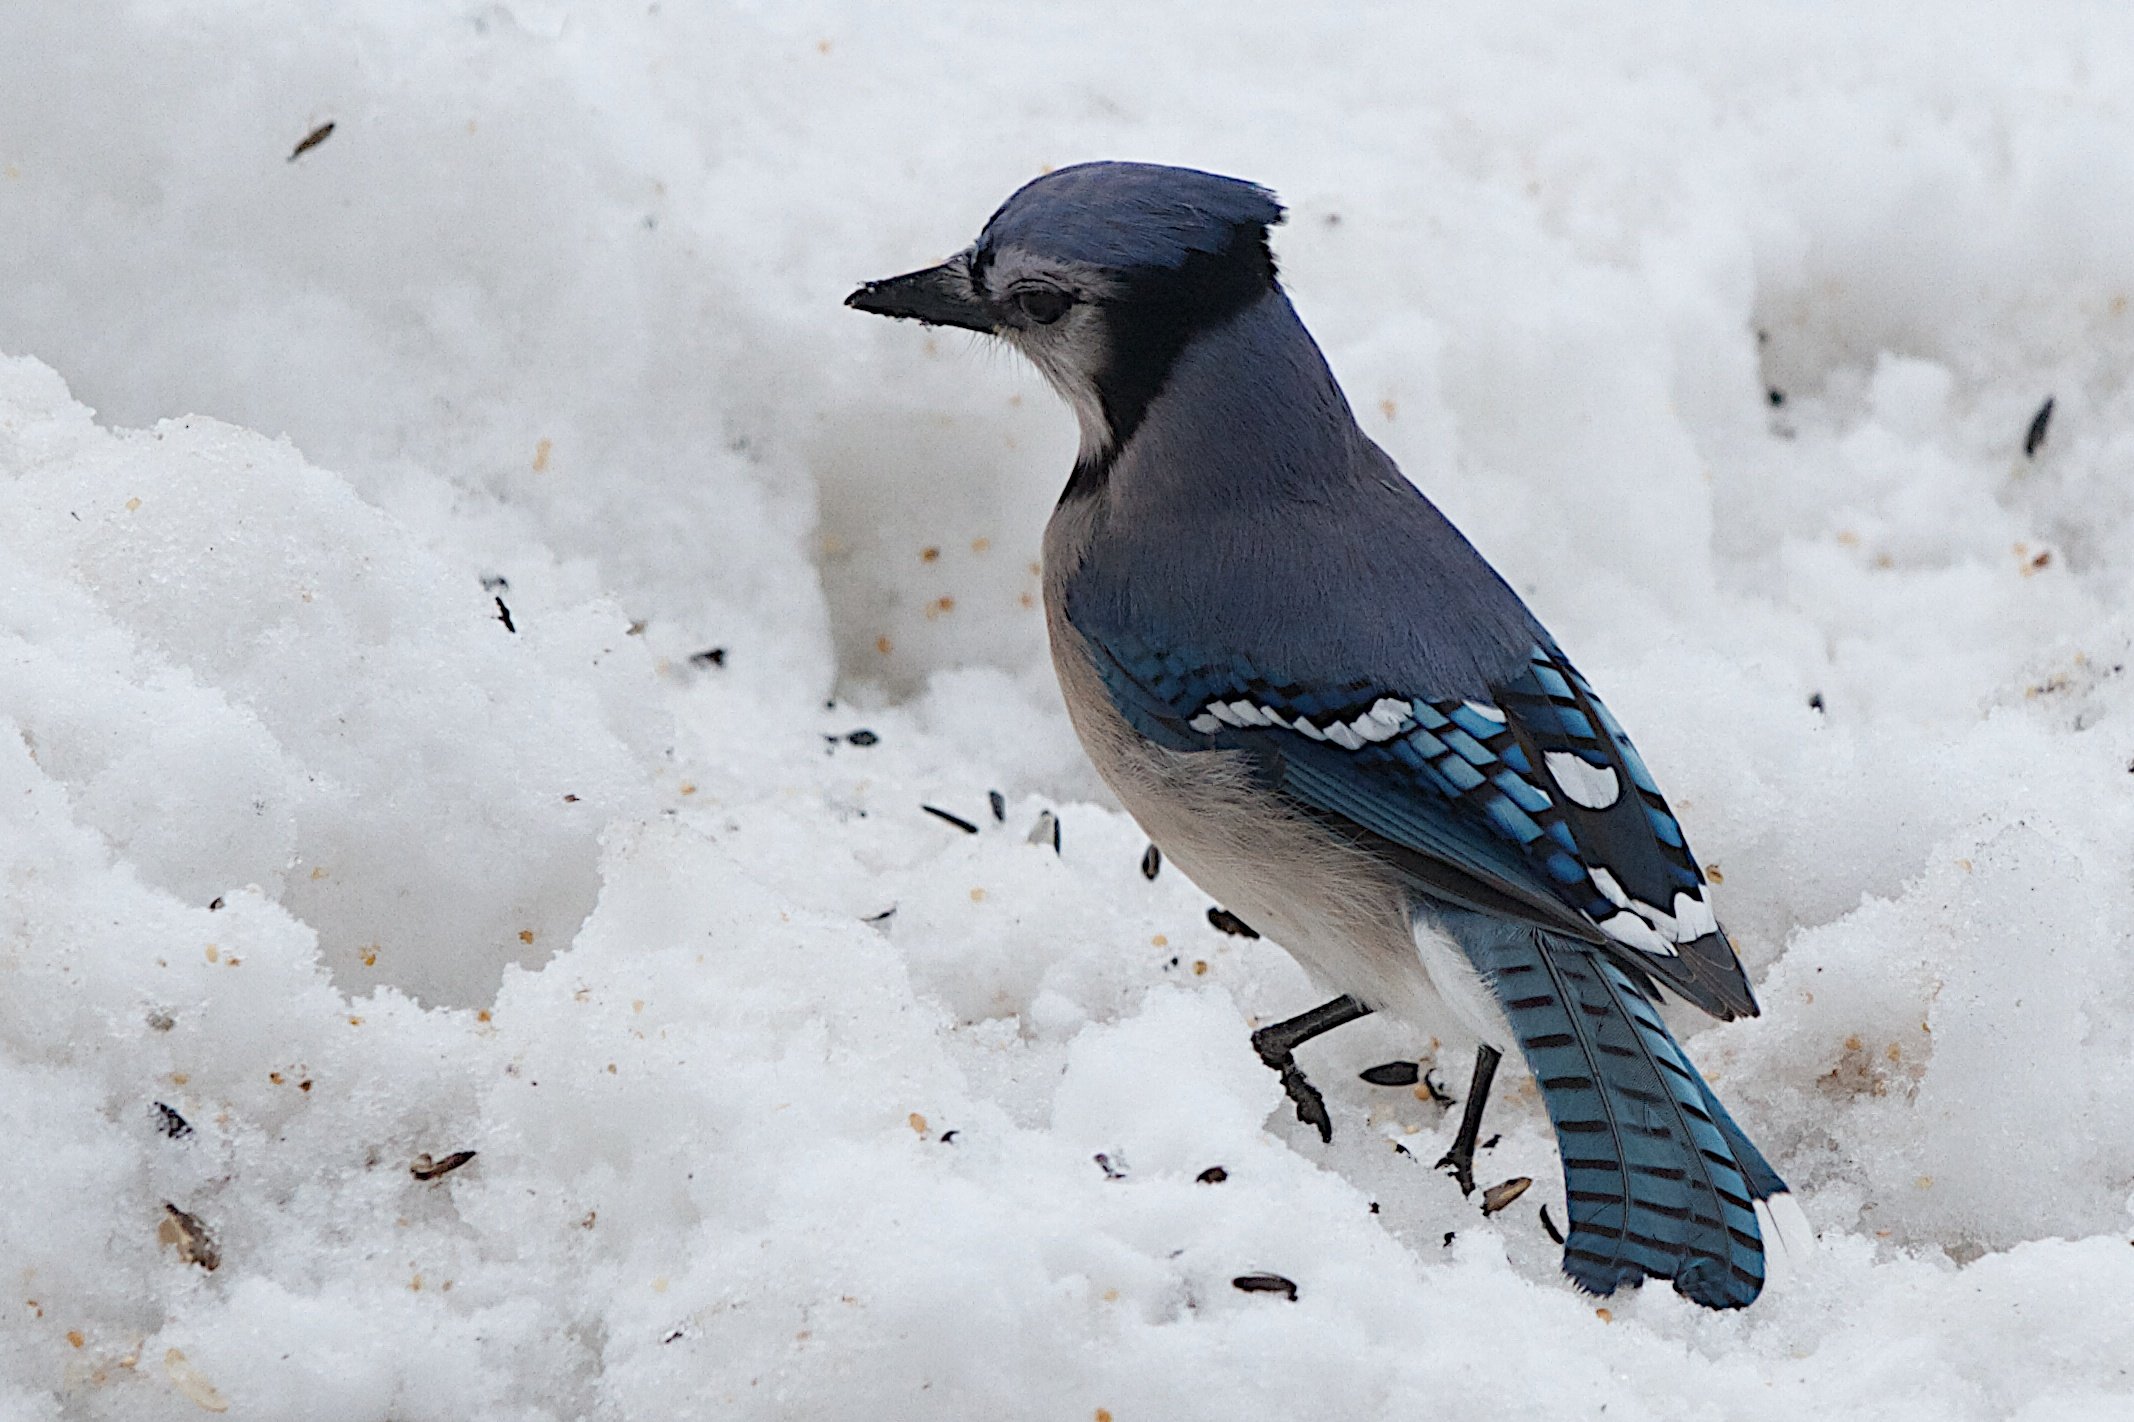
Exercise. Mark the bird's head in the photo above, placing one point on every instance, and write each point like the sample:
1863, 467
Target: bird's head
1101, 274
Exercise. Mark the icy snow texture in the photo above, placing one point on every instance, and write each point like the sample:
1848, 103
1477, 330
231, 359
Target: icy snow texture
556, 302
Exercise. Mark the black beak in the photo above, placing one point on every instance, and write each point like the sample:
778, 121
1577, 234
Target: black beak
938, 296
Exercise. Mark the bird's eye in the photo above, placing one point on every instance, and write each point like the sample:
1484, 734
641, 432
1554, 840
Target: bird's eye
1043, 304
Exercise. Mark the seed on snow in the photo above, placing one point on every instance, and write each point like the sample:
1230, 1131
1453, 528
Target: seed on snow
1266, 1284
194, 1243
1497, 1196
957, 820
304, 145
424, 1168
2034, 437
194, 1384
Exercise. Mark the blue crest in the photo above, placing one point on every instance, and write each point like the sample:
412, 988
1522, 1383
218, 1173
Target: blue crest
1129, 216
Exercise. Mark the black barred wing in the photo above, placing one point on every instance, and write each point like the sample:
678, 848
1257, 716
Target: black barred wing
1532, 804
1652, 892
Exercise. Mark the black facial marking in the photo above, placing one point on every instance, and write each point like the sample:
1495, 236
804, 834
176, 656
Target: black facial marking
1150, 322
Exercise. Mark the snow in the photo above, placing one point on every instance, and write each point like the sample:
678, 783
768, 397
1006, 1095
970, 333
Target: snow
309, 847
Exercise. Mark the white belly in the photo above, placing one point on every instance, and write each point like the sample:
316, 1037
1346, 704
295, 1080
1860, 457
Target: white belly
1344, 916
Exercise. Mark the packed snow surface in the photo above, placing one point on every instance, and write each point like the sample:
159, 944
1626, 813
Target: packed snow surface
445, 573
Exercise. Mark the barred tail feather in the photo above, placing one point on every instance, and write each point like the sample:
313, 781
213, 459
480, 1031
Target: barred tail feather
1764, 1182
1788, 1236
1659, 1181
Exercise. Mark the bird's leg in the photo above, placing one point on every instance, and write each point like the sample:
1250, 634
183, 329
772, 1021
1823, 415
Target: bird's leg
1277, 1044
1461, 1158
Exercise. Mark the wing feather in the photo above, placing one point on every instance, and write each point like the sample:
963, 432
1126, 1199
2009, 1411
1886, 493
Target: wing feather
1532, 805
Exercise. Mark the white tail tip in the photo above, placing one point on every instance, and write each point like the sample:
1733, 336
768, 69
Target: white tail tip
1788, 1237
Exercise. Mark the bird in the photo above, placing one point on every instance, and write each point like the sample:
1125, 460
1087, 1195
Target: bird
1329, 710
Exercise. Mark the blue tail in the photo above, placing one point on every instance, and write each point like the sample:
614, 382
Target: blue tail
1659, 1180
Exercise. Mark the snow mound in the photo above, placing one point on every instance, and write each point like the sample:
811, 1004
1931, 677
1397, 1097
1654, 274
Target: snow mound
242, 674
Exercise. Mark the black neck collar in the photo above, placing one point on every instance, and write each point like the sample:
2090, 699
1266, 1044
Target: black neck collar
1151, 320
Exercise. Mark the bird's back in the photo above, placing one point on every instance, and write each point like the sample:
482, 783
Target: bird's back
1250, 509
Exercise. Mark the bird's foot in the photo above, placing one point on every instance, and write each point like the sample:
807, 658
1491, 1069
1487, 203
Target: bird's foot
1310, 1104
1460, 1160
1277, 1045
1462, 1165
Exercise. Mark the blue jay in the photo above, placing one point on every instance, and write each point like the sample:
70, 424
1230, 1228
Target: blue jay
1330, 712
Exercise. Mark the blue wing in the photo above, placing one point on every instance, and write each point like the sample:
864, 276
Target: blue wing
1531, 805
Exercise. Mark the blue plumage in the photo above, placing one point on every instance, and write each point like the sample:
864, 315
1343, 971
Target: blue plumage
1458, 781
1658, 1180
1129, 216
1335, 715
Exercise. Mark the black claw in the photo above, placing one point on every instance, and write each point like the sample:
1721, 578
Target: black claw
1462, 1168
1311, 1106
